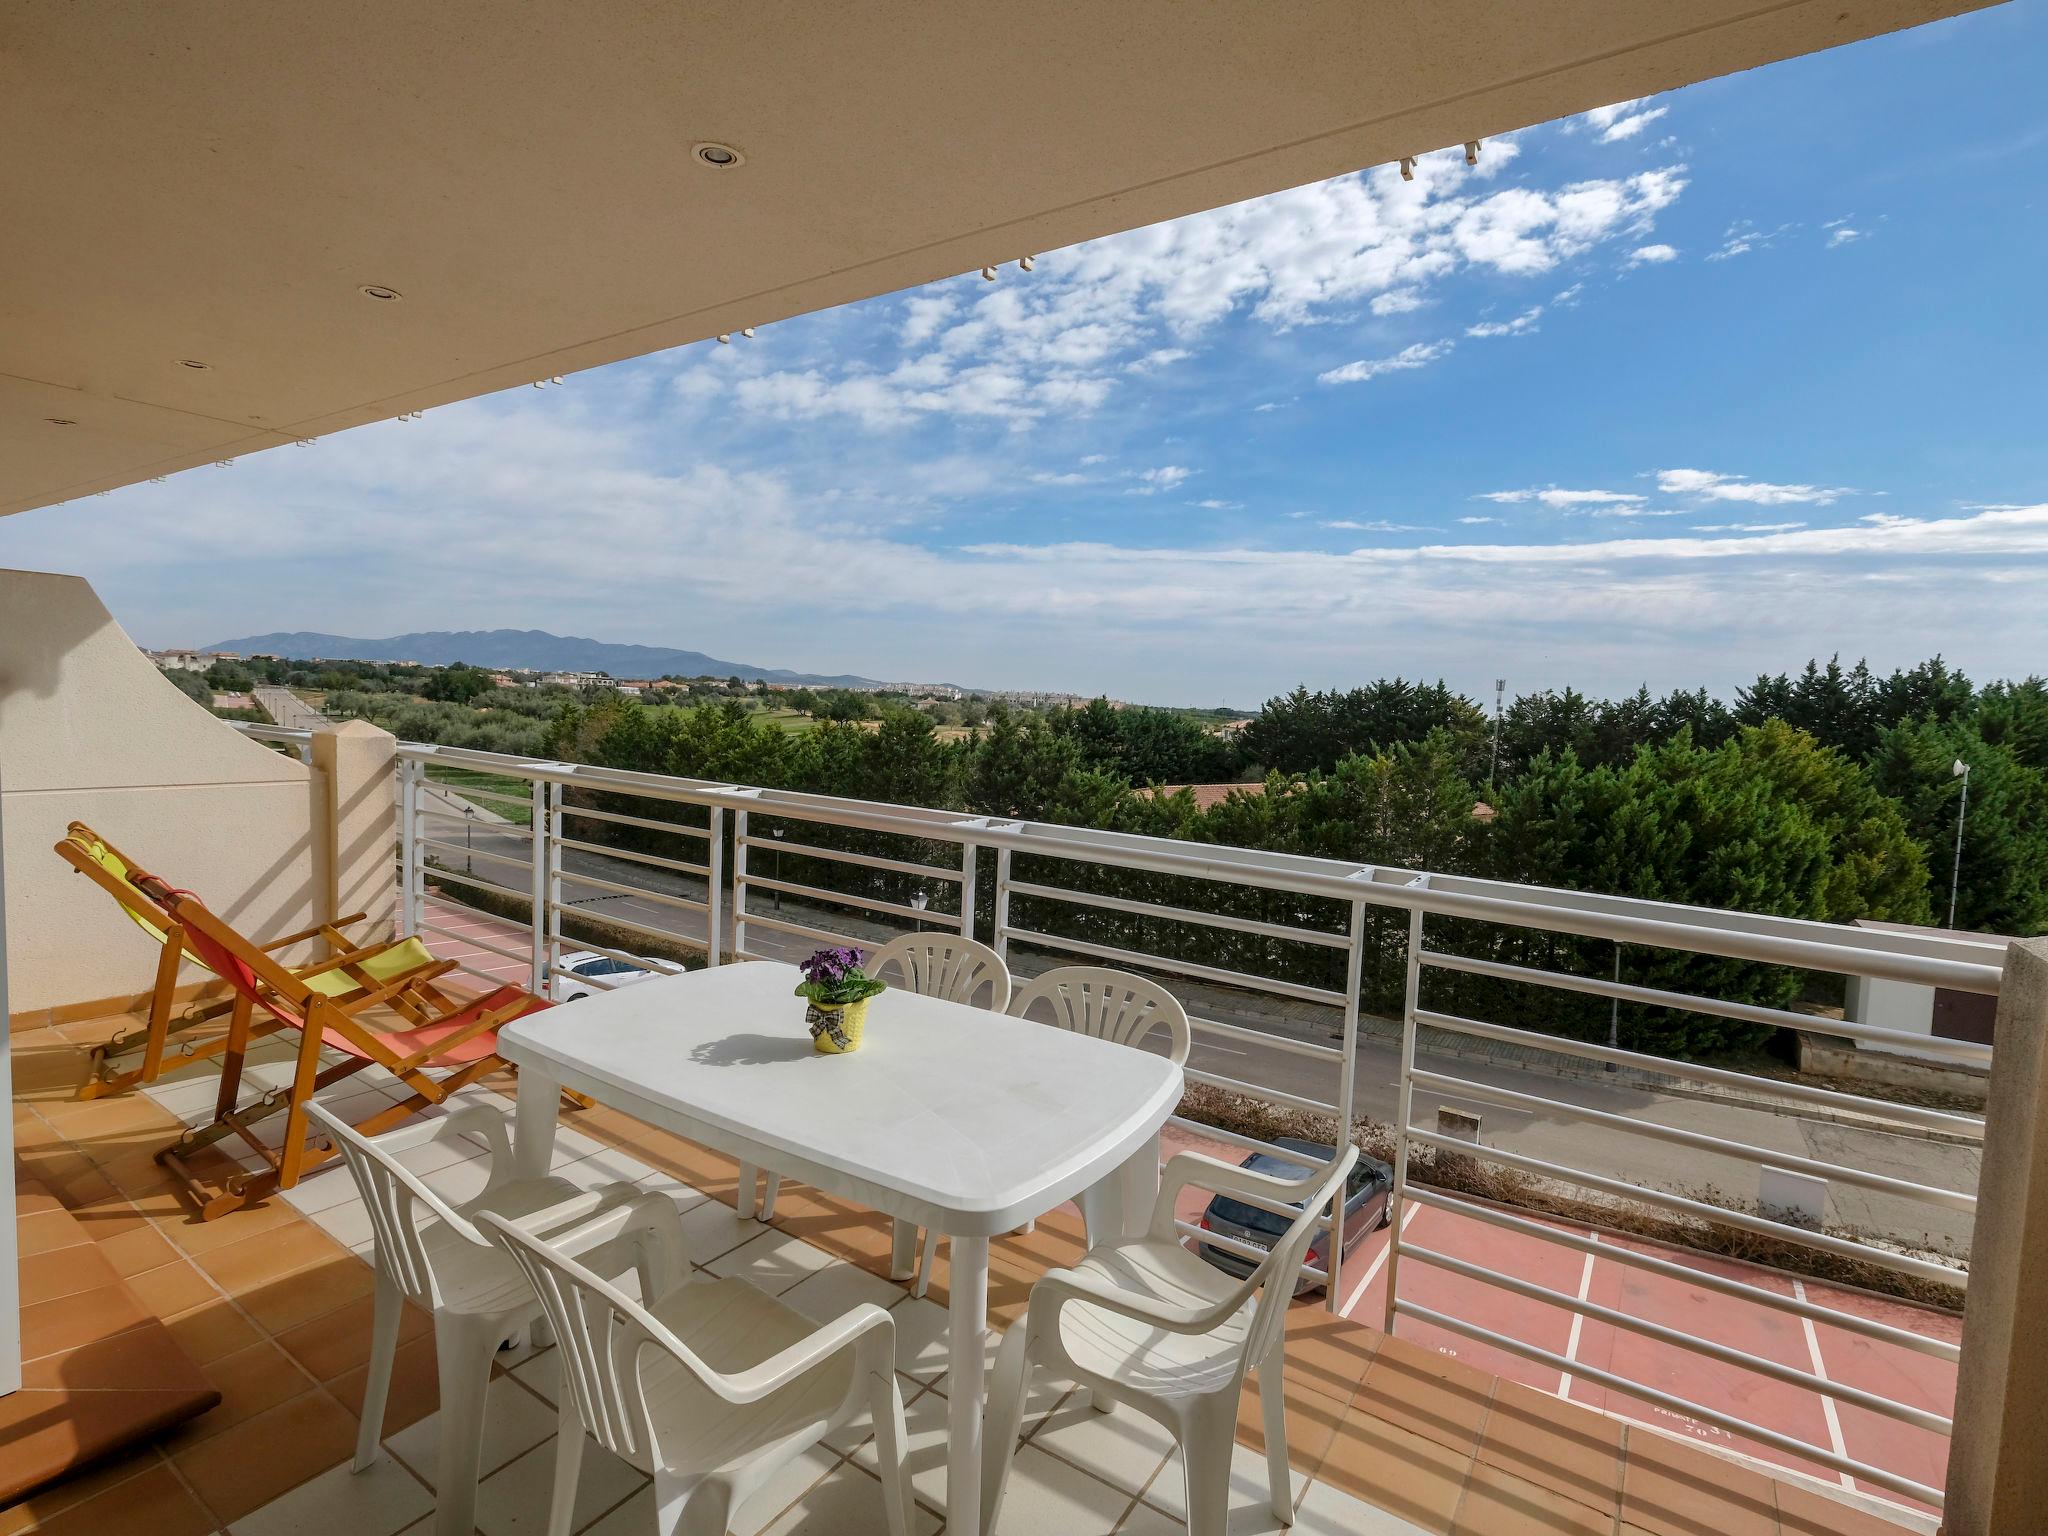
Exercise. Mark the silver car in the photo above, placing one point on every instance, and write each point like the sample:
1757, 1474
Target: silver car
1365, 1210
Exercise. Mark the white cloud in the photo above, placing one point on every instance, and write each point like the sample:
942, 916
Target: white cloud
1214, 505
1744, 527
1398, 301
1554, 496
1420, 355
1164, 478
1266, 405
1621, 120
1477, 520
1711, 486
1377, 525
1843, 234
1742, 237
1157, 359
1653, 254
1521, 325
924, 314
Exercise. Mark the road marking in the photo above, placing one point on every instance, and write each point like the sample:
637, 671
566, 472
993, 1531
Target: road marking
1827, 1404
1571, 1344
1373, 1271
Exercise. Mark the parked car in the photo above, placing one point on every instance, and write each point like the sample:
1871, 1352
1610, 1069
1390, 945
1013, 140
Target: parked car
569, 978
1365, 1209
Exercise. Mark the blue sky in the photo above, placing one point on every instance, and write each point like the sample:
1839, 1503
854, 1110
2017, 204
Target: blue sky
1669, 393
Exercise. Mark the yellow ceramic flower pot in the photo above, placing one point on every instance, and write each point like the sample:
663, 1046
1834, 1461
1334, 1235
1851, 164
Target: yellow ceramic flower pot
836, 1027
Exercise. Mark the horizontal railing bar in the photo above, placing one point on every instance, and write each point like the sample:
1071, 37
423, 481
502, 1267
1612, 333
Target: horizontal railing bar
1260, 1091
1261, 1037
484, 944
442, 872
661, 935
1465, 1087
646, 823
465, 791
1687, 1002
840, 855
1239, 1246
479, 971
1685, 1407
1959, 964
799, 930
1181, 914
845, 899
1706, 1280
473, 853
1791, 1376
654, 860
1884, 1258
1689, 1071
1179, 967
637, 892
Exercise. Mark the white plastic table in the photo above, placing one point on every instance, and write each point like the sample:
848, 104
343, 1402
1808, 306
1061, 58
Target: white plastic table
949, 1117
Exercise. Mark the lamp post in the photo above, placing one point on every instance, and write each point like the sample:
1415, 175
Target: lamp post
1500, 685
776, 833
468, 821
1961, 770
919, 900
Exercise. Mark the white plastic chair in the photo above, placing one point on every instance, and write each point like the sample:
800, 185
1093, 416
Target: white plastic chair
1147, 1323
712, 1387
431, 1253
931, 965
1110, 1005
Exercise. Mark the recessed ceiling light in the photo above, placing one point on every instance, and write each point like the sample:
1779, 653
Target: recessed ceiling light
380, 293
720, 157
194, 364
61, 421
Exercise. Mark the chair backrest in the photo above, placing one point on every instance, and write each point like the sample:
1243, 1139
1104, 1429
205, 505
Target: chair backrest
600, 1332
1109, 1004
1274, 1278
944, 965
92, 855
390, 1190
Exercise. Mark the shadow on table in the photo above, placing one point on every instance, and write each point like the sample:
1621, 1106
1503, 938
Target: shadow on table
750, 1050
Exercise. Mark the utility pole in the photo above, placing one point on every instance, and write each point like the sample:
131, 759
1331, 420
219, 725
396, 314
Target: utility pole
1500, 685
1960, 770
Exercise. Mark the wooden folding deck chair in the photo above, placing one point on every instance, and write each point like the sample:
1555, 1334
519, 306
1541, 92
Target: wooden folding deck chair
350, 968
457, 1035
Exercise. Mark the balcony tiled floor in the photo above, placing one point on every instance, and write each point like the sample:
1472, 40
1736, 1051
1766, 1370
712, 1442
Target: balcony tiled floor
1387, 1439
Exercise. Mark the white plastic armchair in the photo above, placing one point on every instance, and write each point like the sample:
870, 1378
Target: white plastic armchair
431, 1252
711, 1386
1148, 1324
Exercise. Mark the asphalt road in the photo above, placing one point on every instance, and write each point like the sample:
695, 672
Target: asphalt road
1553, 1132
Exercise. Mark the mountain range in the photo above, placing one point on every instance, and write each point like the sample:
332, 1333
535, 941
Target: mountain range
533, 649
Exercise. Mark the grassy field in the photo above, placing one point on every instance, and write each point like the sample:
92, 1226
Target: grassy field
460, 779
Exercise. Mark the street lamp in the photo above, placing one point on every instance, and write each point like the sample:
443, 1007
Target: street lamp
1500, 685
776, 833
468, 821
1961, 770
920, 901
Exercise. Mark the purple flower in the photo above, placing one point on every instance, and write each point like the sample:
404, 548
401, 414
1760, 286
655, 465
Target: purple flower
830, 966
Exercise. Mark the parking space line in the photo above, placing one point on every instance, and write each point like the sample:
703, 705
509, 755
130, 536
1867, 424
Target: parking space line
1379, 1262
1571, 1343
1827, 1404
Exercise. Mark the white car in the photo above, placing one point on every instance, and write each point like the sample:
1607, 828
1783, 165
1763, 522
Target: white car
569, 978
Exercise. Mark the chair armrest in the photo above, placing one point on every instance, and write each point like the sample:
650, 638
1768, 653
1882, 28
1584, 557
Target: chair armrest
1057, 1287
1204, 1172
312, 933
646, 1232
780, 1369
480, 1118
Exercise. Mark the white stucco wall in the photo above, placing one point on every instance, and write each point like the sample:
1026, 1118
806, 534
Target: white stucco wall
91, 731
1891, 1005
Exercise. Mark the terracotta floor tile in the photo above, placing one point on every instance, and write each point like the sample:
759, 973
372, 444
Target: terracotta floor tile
1425, 1392
171, 1288
252, 1380
339, 1341
212, 1329
85, 1317
415, 1386
1312, 1421
1497, 1502
1563, 1447
90, 1121
43, 1231
1416, 1478
1328, 1353
152, 1503
59, 1272
287, 1301
274, 1250
1672, 1489
198, 1237
135, 1250
245, 1467
38, 1508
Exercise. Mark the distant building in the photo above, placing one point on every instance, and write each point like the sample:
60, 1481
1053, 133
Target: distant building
189, 661
1936, 1012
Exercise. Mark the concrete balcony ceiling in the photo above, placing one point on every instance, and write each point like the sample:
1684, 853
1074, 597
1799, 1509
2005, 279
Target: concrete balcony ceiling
219, 185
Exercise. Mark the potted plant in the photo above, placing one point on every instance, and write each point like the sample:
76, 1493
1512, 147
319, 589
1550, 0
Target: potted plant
838, 991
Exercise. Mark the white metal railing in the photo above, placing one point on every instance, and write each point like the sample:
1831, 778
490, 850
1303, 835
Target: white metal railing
685, 893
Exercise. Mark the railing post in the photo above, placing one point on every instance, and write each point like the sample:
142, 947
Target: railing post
1347, 1087
1001, 937
551, 913
714, 915
739, 885
967, 890
408, 846
539, 845
1411, 1001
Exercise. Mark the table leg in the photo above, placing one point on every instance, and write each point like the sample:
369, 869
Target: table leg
533, 1140
966, 1384
1138, 1189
